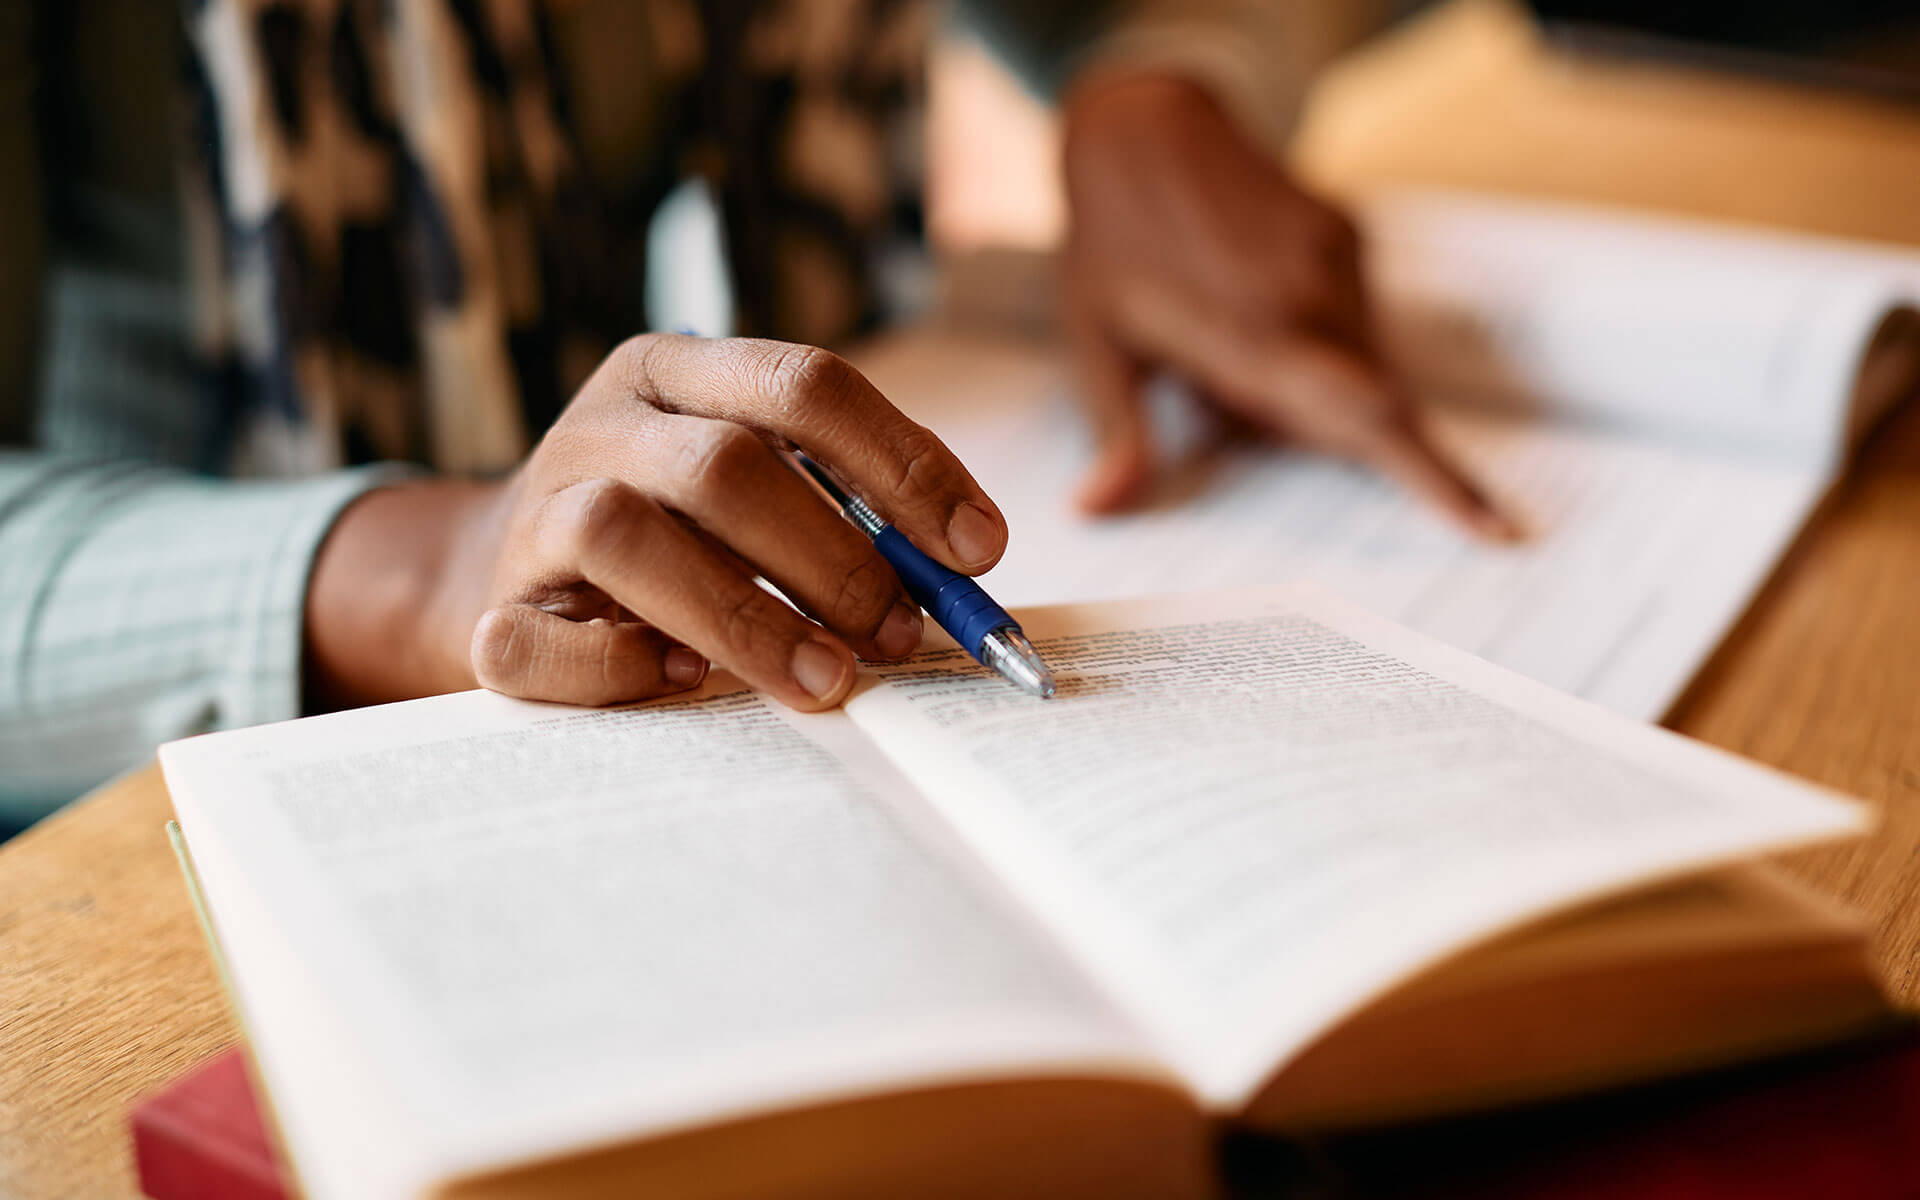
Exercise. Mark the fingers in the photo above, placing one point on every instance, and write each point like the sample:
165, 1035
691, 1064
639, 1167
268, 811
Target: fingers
742, 495
1403, 451
1110, 387
1322, 283
813, 399
624, 543
1302, 384
1333, 395
528, 652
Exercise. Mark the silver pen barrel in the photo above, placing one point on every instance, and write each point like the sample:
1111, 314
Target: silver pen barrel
1007, 651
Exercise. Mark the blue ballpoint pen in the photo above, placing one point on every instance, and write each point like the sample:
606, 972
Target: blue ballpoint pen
962, 608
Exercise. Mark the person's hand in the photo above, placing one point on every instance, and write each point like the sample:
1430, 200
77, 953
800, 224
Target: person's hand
1192, 251
619, 560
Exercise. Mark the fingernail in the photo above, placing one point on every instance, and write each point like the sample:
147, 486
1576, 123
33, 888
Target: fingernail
818, 669
974, 537
899, 636
685, 667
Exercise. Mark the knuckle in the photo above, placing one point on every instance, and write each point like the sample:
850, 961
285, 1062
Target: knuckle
866, 595
748, 624
918, 471
629, 663
806, 381
633, 359
496, 649
717, 459
603, 513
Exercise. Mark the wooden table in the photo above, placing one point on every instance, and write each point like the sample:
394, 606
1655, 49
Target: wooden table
1822, 676
106, 991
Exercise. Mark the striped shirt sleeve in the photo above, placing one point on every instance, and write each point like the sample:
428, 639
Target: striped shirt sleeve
140, 604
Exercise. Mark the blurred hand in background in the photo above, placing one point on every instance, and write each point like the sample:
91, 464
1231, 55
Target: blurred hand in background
1190, 249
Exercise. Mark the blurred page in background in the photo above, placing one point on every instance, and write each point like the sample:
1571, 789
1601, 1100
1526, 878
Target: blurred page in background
1663, 403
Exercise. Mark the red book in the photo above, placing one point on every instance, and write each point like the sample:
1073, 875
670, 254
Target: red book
203, 1138
1842, 1123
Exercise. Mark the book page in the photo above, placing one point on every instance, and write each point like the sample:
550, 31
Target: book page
1744, 341
1251, 812
546, 927
1640, 555
1661, 402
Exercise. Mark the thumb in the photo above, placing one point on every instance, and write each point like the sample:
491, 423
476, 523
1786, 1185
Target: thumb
1111, 380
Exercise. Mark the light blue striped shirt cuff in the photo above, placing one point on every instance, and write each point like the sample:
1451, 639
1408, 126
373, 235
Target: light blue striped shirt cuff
138, 605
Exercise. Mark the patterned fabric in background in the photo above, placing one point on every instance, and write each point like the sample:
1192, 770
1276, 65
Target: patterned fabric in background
398, 251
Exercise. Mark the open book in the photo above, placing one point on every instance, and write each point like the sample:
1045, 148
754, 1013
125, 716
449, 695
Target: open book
1661, 402
1265, 858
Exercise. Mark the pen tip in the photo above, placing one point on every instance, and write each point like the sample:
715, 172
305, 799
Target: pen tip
1007, 651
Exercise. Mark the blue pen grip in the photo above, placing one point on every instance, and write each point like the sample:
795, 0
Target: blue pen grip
954, 600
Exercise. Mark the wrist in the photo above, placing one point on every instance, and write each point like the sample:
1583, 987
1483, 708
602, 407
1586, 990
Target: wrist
1156, 88
396, 589
1125, 105
1133, 127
